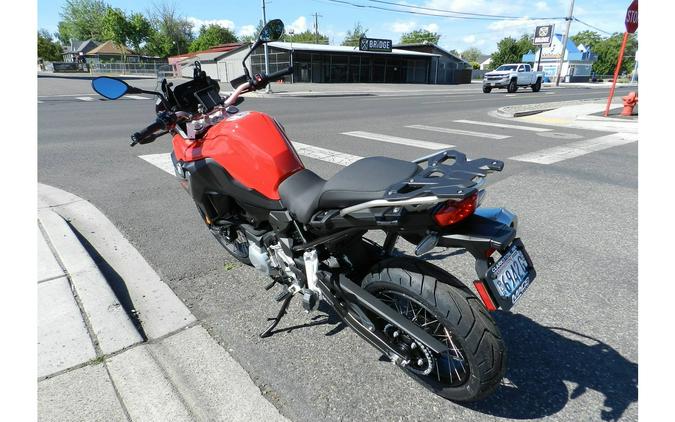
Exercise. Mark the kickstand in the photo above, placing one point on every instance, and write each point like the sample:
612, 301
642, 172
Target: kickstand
275, 320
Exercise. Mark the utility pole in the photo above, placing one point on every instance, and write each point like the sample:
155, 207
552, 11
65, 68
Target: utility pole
316, 27
267, 65
564, 44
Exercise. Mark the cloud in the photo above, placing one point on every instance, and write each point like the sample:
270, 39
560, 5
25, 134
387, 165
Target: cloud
432, 27
469, 39
400, 27
541, 6
523, 23
198, 23
247, 30
299, 25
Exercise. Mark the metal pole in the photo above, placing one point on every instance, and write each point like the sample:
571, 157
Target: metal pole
564, 44
616, 73
541, 47
267, 65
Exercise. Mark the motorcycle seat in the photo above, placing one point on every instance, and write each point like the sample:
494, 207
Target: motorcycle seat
304, 192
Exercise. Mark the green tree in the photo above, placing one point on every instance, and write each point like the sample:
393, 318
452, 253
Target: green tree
47, 49
308, 37
116, 28
211, 36
82, 20
510, 50
353, 36
419, 36
171, 33
587, 38
608, 54
471, 54
454, 52
140, 30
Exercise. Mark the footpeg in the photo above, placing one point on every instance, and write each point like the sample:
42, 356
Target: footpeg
282, 295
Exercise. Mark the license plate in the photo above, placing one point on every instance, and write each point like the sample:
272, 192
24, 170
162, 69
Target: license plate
510, 277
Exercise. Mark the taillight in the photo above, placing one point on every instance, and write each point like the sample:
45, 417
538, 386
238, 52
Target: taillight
485, 296
455, 211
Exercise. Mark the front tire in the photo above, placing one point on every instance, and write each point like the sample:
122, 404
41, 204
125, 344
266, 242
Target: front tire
233, 239
477, 360
487, 89
513, 86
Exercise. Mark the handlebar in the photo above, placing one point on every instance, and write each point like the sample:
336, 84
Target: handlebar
164, 121
276, 75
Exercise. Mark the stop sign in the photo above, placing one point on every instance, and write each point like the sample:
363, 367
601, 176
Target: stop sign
632, 17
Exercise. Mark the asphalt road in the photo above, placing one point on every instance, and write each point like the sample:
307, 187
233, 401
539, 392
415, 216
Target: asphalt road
572, 340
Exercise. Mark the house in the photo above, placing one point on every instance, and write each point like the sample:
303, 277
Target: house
577, 60
446, 68
78, 49
108, 52
485, 60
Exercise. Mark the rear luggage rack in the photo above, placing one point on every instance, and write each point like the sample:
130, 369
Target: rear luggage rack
456, 180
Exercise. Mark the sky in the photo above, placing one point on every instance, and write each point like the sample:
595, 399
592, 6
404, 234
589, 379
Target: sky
336, 18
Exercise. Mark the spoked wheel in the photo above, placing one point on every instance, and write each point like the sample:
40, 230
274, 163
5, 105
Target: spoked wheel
233, 240
440, 304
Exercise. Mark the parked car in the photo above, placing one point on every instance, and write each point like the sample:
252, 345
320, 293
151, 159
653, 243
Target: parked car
511, 76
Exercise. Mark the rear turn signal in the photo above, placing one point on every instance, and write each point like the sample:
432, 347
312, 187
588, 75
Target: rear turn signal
484, 295
455, 211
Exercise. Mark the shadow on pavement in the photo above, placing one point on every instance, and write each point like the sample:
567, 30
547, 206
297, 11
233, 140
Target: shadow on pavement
541, 358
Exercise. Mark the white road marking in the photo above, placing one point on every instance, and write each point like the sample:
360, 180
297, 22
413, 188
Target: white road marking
136, 97
324, 154
85, 98
401, 141
162, 161
460, 132
504, 125
576, 149
40, 102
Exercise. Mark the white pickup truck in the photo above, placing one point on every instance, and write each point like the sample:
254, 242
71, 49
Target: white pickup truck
511, 76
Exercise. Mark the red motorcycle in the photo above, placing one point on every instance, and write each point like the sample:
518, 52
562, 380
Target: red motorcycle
308, 234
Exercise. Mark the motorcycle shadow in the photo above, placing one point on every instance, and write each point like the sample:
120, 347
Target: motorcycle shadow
540, 358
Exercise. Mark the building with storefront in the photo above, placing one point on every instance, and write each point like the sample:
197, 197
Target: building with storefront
317, 63
577, 60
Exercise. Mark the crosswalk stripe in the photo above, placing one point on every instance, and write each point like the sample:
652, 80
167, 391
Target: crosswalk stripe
504, 125
576, 149
136, 97
85, 98
460, 132
162, 161
397, 140
324, 154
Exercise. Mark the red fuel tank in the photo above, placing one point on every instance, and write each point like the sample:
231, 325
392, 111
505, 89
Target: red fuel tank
250, 146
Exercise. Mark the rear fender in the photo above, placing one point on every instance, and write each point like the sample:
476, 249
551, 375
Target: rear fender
487, 228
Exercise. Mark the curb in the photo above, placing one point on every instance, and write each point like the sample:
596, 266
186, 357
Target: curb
531, 109
171, 369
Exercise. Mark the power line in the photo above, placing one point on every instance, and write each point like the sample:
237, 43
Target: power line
591, 26
412, 6
454, 16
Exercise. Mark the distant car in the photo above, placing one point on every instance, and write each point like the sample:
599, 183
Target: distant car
511, 76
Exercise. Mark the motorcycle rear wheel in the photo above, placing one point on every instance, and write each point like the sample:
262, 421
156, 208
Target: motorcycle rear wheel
443, 306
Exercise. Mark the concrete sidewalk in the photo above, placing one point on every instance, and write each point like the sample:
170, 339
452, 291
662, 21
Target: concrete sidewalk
114, 342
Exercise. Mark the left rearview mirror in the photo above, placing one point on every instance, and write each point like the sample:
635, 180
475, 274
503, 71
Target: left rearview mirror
110, 88
272, 31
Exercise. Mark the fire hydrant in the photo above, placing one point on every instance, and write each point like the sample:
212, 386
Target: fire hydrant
629, 102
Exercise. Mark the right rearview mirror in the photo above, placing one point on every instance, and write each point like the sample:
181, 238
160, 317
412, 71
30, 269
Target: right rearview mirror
272, 31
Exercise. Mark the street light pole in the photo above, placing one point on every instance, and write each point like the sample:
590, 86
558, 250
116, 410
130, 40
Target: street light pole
267, 65
564, 44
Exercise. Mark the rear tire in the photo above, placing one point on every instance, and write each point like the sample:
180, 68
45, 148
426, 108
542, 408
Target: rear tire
513, 86
468, 325
487, 89
537, 86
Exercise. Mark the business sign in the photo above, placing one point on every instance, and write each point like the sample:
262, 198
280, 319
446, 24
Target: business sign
632, 17
374, 44
543, 35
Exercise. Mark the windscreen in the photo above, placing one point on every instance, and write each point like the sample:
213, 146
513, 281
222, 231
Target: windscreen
508, 67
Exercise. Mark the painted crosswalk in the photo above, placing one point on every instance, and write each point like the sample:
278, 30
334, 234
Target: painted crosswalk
85, 98
459, 132
397, 140
576, 149
79, 97
136, 97
505, 125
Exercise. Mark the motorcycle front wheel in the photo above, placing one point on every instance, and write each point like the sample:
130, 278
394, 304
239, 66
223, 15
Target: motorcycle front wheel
444, 307
233, 239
